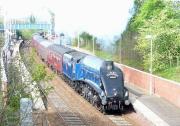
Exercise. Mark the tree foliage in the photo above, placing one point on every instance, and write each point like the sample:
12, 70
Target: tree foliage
147, 10
1, 41
161, 20
26, 34
14, 87
86, 41
163, 25
15, 91
1, 19
32, 19
37, 71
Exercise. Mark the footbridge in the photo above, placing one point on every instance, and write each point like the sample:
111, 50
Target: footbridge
44, 26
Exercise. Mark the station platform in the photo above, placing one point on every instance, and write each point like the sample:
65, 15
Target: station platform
156, 109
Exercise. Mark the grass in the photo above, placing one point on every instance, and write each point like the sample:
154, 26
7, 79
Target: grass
10, 112
133, 63
99, 53
88, 47
11, 117
1, 100
104, 55
171, 73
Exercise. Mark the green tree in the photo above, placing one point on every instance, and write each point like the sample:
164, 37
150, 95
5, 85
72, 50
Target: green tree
161, 20
37, 70
86, 41
147, 10
26, 34
165, 29
32, 19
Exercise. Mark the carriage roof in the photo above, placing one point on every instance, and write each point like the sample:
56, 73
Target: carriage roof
60, 49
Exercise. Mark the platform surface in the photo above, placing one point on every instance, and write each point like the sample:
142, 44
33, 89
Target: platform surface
166, 112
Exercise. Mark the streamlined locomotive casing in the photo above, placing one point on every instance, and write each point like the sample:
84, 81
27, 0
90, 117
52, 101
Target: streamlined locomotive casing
89, 71
113, 84
106, 79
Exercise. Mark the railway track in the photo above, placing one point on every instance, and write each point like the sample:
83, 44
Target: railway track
66, 113
119, 120
71, 119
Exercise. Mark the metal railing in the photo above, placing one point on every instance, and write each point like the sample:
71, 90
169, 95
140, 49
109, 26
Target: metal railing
27, 26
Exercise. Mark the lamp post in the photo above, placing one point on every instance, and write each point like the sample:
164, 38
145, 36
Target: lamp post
120, 53
61, 37
78, 39
93, 44
150, 37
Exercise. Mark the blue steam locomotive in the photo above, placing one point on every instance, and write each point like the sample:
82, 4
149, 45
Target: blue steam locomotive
97, 80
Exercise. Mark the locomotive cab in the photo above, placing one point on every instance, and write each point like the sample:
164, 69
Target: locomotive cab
70, 61
112, 83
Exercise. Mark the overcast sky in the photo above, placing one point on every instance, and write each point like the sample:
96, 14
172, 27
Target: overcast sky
99, 17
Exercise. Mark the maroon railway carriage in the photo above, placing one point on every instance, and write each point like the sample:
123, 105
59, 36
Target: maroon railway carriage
55, 56
41, 46
50, 53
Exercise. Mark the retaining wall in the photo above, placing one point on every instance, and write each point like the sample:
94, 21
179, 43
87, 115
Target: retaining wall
170, 90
